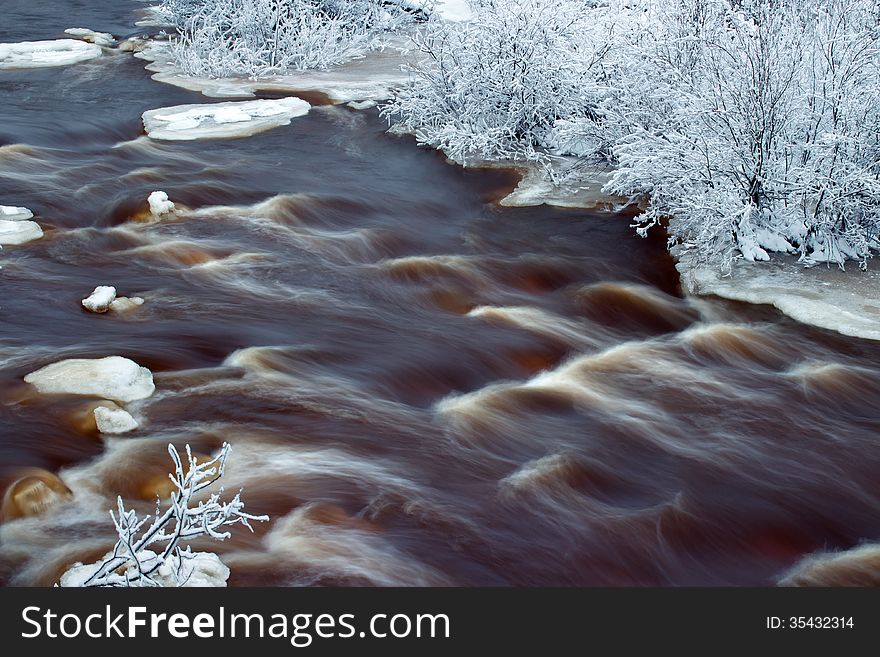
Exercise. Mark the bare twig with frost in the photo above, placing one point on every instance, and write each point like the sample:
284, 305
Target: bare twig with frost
133, 563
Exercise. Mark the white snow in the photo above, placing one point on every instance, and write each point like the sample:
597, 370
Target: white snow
13, 213
113, 377
99, 301
371, 77
159, 203
201, 569
38, 54
222, 120
454, 10
844, 301
114, 420
19, 231
98, 38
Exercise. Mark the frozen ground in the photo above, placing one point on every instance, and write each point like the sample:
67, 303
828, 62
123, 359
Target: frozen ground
369, 78
844, 301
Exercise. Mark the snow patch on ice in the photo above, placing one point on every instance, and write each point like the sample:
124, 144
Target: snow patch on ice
104, 39
222, 120
369, 78
13, 213
113, 377
39, 54
454, 10
540, 186
15, 227
844, 301
197, 569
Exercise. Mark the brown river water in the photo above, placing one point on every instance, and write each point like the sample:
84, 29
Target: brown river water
420, 386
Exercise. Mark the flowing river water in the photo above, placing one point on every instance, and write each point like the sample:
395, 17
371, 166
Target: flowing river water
420, 386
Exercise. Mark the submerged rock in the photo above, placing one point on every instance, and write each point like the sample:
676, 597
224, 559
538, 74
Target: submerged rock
39, 54
222, 120
114, 377
114, 420
83, 419
125, 304
33, 494
99, 301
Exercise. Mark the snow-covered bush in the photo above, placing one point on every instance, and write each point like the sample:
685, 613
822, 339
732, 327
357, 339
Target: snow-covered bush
749, 125
133, 563
752, 125
495, 86
254, 38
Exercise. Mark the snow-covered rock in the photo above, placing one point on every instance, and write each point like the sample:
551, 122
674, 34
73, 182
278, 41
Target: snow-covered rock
114, 420
99, 301
98, 38
13, 213
39, 54
113, 377
159, 204
125, 304
222, 120
19, 231
134, 44
197, 569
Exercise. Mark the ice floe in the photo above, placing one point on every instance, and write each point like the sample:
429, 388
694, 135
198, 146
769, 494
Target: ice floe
844, 301
98, 38
113, 377
222, 120
114, 420
16, 227
99, 301
38, 54
13, 213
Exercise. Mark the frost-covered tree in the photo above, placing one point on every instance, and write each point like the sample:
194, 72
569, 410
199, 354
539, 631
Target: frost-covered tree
256, 38
751, 125
149, 551
495, 86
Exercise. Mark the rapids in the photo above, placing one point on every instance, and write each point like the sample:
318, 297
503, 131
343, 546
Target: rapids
421, 386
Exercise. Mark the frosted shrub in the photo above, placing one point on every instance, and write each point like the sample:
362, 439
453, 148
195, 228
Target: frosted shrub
495, 86
133, 563
752, 125
255, 38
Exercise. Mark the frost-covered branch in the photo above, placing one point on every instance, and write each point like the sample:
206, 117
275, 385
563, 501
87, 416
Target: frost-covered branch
257, 38
496, 85
149, 552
